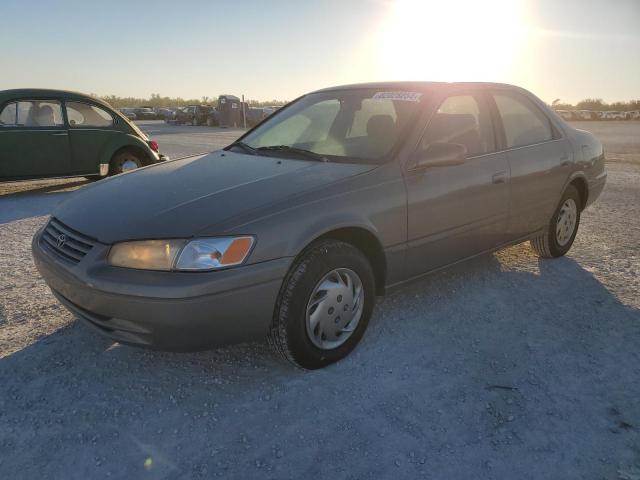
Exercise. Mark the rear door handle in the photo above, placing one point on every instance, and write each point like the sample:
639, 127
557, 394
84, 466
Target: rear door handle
61, 134
499, 177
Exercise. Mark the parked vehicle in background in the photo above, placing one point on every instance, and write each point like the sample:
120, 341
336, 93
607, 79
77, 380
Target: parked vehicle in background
129, 113
614, 115
54, 133
145, 113
293, 230
192, 115
565, 114
213, 119
633, 115
270, 110
166, 113
584, 115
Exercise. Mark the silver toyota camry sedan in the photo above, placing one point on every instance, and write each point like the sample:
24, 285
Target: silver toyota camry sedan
292, 231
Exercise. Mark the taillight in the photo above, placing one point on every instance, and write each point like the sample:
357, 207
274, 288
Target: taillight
154, 145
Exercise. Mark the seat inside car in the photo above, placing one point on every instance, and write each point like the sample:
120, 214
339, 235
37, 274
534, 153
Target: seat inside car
456, 128
382, 133
44, 116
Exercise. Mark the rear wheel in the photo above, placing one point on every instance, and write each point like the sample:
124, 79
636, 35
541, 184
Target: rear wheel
324, 305
562, 229
125, 161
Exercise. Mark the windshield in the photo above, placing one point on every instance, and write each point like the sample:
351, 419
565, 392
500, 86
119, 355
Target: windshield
355, 124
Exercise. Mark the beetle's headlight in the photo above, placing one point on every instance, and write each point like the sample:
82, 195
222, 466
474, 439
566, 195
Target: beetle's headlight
194, 255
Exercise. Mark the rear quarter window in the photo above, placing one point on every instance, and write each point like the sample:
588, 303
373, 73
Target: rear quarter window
85, 115
524, 123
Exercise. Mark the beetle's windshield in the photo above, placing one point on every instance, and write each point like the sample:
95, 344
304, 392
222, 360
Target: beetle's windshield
355, 125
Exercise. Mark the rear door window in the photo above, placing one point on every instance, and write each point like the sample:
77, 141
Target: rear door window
462, 119
86, 115
524, 124
37, 113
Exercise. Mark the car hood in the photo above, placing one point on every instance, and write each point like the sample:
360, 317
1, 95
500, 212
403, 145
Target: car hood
178, 199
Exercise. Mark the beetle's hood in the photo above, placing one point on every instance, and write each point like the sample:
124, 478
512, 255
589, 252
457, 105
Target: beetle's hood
178, 199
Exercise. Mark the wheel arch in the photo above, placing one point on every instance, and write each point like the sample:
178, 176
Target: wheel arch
126, 142
580, 184
365, 241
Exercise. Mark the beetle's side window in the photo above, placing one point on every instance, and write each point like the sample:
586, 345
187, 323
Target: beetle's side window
9, 115
85, 115
38, 113
524, 124
462, 119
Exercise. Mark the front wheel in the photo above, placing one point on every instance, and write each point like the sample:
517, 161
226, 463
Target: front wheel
124, 161
324, 305
562, 229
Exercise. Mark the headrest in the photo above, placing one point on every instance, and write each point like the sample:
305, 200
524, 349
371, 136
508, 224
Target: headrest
380, 126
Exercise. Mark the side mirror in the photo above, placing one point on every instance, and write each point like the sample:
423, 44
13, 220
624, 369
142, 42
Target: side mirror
440, 155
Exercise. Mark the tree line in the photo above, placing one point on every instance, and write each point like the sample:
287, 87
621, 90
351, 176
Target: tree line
157, 100
596, 104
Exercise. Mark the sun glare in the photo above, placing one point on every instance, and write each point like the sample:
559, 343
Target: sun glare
455, 40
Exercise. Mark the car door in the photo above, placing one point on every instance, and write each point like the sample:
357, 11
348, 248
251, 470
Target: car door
539, 160
34, 140
91, 129
457, 211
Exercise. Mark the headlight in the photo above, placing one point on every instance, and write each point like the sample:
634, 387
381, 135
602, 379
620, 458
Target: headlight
211, 253
194, 255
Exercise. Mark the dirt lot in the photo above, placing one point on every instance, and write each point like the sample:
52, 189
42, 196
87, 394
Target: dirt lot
506, 367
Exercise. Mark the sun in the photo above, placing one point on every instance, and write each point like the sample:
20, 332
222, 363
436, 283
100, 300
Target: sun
451, 40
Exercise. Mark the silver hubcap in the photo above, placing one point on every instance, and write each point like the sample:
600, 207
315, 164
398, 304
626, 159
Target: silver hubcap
129, 165
566, 221
335, 308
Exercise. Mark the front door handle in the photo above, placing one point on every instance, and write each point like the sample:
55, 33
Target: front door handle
499, 177
61, 134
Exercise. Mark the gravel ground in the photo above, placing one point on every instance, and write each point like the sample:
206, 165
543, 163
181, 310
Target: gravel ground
505, 367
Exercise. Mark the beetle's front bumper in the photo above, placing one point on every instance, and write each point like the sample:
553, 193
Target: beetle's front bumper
165, 310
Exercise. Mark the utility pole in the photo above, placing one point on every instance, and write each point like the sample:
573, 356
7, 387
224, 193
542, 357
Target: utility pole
244, 114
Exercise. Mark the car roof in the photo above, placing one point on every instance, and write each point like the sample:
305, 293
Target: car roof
45, 92
419, 85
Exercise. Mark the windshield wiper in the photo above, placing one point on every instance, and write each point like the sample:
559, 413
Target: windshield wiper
245, 147
294, 150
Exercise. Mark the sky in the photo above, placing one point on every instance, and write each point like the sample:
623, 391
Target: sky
280, 49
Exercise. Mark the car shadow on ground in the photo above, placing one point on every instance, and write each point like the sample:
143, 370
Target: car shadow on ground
25, 200
502, 367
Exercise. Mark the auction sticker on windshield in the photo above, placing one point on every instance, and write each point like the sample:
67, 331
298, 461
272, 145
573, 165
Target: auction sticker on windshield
401, 96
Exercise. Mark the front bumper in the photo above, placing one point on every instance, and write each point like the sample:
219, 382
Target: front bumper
165, 310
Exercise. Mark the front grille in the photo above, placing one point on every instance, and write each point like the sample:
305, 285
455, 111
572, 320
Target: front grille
64, 242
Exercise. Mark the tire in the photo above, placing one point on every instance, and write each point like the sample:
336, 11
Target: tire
290, 334
559, 234
123, 162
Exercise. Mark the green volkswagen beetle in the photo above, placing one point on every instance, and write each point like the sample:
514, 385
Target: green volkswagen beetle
53, 133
